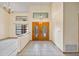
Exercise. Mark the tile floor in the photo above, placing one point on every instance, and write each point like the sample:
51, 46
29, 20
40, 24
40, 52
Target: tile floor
41, 48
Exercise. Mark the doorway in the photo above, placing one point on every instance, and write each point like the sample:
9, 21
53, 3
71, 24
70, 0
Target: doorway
40, 31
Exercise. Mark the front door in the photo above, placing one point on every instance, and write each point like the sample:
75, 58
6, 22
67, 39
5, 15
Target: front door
40, 31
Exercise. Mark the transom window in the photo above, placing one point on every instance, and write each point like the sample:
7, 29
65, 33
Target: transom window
39, 15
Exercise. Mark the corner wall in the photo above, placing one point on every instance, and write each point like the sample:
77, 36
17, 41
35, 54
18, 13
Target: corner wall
57, 23
4, 23
71, 26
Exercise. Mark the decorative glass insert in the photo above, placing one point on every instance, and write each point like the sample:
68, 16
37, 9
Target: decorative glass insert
21, 29
21, 18
36, 31
39, 15
44, 31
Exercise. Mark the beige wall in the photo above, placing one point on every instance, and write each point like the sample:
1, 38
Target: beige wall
57, 24
65, 26
4, 24
71, 27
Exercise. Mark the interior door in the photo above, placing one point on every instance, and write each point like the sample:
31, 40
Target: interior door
40, 31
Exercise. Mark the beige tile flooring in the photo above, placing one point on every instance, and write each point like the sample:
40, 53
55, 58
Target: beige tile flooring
41, 48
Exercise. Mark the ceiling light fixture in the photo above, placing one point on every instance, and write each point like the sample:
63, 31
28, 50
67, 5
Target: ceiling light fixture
8, 7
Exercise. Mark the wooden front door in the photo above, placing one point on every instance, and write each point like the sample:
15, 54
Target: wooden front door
40, 31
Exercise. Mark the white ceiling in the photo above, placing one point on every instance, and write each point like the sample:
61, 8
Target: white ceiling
22, 6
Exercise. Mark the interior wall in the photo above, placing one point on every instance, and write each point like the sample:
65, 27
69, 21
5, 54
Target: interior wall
4, 23
57, 23
71, 26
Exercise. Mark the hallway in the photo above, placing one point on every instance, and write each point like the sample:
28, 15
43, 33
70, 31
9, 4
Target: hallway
40, 23
41, 48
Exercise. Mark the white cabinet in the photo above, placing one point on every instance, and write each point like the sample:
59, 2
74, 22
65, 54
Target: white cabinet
23, 40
